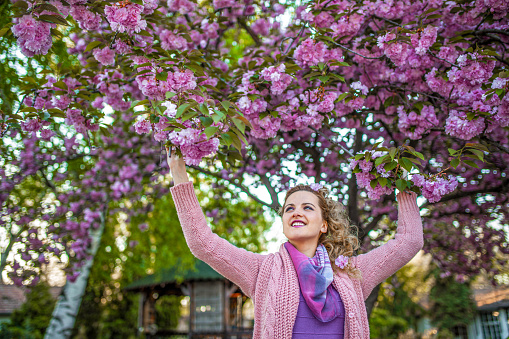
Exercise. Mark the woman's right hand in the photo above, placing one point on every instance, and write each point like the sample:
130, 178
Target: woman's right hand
177, 167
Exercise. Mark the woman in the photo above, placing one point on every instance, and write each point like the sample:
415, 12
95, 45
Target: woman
310, 288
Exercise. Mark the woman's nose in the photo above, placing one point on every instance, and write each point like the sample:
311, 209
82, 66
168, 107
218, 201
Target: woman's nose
297, 212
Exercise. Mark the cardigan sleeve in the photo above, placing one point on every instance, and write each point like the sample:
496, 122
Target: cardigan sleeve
236, 264
382, 262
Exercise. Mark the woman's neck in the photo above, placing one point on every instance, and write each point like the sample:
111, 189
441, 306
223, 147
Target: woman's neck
309, 249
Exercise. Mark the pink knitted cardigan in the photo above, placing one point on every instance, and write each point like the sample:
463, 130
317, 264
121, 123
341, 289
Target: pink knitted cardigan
271, 281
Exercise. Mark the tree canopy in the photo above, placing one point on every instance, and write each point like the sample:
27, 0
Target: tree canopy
256, 94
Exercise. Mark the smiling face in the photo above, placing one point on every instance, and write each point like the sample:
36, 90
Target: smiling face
302, 219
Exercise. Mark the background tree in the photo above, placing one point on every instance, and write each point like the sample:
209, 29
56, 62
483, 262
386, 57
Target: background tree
31, 320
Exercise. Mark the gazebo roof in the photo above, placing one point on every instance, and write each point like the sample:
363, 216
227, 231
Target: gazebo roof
173, 275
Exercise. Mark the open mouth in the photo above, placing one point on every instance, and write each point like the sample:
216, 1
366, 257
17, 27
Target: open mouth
298, 223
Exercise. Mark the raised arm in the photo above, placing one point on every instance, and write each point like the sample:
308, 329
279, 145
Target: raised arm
236, 264
382, 262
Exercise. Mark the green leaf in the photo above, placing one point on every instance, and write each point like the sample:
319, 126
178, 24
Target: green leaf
382, 181
227, 139
28, 109
55, 110
401, 185
418, 155
46, 7
388, 101
478, 146
206, 121
434, 16
451, 151
226, 104
197, 70
163, 76
419, 105
480, 154
324, 78
170, 95
373, 183
61, 84
390, 166
189, 115
4, 30
380, 160
240, 125
392, 152
342, 96
470, 163
406, 164
56, 19
182, 109
204, 109
139, 103
210, 131
455, 162
93, 45
235, 141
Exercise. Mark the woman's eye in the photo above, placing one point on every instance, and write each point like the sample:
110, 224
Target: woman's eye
311, 208
288, 209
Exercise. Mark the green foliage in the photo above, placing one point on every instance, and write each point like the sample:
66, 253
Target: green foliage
452, 304
395, 297
168, 312
384, 324
445, 334
31, 320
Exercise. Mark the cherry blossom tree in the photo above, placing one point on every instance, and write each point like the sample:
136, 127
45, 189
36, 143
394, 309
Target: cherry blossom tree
260, 94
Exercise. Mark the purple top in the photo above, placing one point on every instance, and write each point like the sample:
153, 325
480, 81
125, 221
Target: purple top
308, 327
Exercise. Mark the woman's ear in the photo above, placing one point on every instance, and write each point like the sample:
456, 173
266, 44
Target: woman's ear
323, 229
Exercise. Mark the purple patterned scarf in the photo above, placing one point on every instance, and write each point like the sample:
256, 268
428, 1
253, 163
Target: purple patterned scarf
315, 278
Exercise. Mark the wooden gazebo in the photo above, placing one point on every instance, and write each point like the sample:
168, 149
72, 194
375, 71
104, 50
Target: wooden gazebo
215, 304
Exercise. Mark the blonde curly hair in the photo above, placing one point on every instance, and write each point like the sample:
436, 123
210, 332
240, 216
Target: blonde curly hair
341, 237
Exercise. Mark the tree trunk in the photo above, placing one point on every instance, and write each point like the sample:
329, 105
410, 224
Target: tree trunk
69, 301
5, 255
370, 302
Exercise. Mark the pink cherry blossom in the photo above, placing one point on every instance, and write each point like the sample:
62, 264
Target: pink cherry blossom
142, 126
310, 53
459, 126
34, 36
105, 56
125, 18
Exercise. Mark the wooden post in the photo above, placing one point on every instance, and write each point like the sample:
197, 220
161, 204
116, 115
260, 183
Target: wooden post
141, 302
192, 309
226, 309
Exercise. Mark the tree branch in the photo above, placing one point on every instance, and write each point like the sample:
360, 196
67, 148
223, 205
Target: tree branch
356, 53
389, 21
253, 35
495, 144
273, 194
485, 31
332, 141
48, 182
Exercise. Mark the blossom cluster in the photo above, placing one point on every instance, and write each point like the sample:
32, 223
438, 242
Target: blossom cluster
34, 36
434, 188
277, 77
194, 145
414, 125
364, 177
125, 17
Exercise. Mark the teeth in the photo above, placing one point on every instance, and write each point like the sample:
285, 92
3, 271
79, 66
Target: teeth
298, 224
